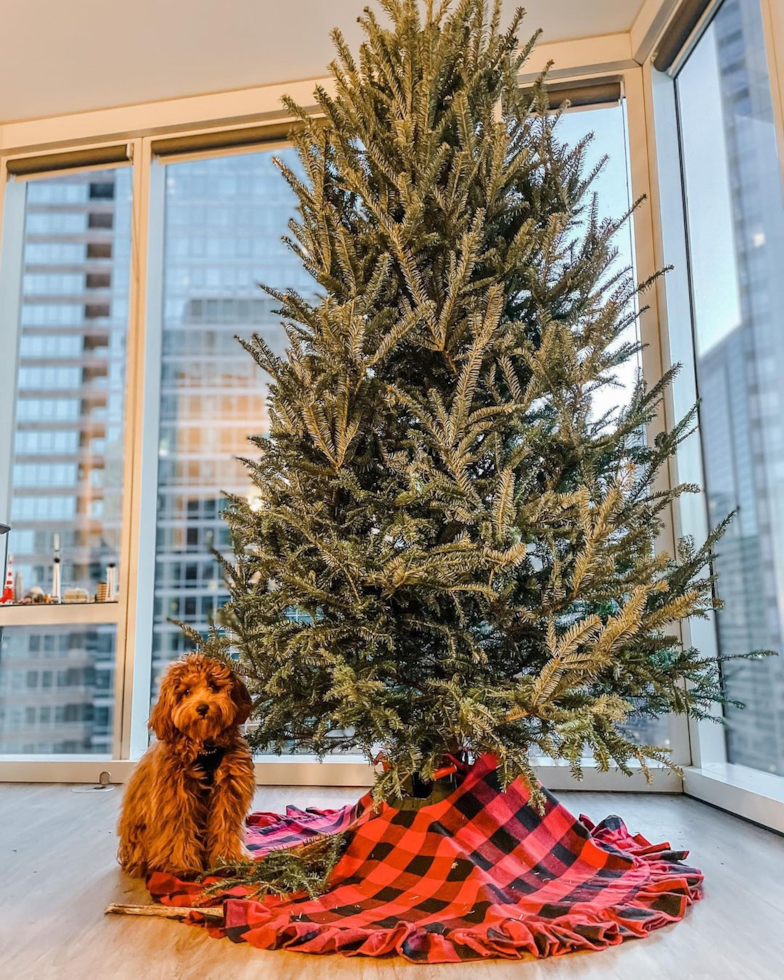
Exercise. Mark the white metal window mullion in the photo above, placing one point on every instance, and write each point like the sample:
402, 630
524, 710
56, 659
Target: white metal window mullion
141, 571
654, 354
133, 435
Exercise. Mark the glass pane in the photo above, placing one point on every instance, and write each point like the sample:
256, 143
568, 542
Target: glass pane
224, 218
613, 194
68, 431
57, 689
613, 198
736, 232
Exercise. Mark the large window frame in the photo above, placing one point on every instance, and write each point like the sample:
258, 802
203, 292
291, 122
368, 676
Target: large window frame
698, 748
756, 795
133, 615
12, 213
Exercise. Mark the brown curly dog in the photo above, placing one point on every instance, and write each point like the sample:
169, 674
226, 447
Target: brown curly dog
185, 805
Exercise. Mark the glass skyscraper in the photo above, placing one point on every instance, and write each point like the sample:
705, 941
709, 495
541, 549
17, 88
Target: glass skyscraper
736, 226
224, 218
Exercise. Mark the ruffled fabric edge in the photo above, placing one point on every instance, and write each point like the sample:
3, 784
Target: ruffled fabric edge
671, 889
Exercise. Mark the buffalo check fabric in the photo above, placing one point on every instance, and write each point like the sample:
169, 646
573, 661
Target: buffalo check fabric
479, 874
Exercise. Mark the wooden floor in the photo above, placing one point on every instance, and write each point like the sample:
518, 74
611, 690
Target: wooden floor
58, 873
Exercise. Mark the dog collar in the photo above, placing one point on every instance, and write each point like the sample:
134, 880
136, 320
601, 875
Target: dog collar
209, 759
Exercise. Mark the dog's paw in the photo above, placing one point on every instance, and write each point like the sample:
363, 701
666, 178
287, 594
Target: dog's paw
182, 862
133, 869
184, 872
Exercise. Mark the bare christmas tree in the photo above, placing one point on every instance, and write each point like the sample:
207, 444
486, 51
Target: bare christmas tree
451, 552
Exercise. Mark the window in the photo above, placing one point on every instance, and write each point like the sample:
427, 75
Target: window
68, 432
223, 222
65, 447
66, 706
210, 233
735, 219
614, 198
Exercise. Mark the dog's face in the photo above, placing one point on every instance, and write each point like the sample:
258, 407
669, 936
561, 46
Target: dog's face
199, 698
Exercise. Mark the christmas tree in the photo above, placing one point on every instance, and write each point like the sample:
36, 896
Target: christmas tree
446, 550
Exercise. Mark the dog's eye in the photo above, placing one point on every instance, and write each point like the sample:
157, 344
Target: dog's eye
185, 693
214, 686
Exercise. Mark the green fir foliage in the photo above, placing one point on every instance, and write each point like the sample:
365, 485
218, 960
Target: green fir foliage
302, 870
469, 552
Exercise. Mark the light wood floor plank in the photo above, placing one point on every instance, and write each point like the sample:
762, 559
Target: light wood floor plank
59, 872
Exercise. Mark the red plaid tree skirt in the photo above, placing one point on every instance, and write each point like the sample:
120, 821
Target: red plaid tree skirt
479, 874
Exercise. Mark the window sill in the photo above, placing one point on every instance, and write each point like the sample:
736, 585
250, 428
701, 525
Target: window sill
306, 770
59, 614
744, 792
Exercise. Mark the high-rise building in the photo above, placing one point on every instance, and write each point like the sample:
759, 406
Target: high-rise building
739, 378
224, 218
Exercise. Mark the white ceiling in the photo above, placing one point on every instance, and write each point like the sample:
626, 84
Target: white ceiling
63, 56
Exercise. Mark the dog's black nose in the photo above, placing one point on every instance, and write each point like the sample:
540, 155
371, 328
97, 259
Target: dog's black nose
202, 709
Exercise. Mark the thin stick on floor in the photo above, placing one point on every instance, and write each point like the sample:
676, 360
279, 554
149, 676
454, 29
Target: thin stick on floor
164, 911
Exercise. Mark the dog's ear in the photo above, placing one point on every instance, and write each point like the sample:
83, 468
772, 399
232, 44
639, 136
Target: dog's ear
241, 699
161, 718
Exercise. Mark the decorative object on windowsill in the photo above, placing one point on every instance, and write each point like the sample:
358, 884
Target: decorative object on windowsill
37, 597
56, 571
4, 529
472, 552
18, 588
76, 595
70, 596
102, 595
111, 582
7, 595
